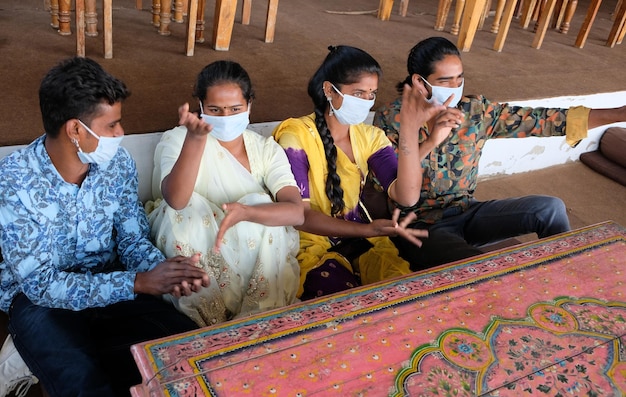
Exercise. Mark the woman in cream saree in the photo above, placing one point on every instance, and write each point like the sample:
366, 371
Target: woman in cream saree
253, 266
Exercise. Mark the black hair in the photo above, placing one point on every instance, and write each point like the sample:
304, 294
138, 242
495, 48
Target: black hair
220, 72
343, 65
424, 55
74, 89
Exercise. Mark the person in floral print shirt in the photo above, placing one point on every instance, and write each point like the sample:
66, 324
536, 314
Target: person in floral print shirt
459, 224
81, 281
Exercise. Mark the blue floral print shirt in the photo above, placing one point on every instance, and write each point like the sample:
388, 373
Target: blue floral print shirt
69, 246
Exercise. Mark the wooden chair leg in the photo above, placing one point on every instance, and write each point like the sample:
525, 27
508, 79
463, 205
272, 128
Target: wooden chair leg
270, 22
442, 14
544, 21
621, 35
618, 27
559, 10
404, 6
192, 12
80, 28
537, 13
91, 18
458, 13
156, 13
64, 17
178, 11
384, 9
471, 17
54, 13
246, 10
497, 18
165, 17
138, 4
592, 11
223, 24
527, 13
507, 17
200, 22
567, 18
616, 10
107, 11
484, 14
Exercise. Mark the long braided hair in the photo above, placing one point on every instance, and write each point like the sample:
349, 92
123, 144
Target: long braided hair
343, 65
424, 55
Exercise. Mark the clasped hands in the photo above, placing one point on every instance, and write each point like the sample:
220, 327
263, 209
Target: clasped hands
179, 276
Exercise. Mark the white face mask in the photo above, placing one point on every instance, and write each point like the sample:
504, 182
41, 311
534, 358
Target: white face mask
227, 128
441, 94
353, 110
106, 149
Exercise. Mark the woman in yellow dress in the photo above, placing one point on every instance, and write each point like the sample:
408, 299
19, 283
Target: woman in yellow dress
228, 194
331, 152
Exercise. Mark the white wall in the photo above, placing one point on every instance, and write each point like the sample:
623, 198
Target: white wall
510, 156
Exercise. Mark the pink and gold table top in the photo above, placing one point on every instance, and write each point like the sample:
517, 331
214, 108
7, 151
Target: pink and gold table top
543, 318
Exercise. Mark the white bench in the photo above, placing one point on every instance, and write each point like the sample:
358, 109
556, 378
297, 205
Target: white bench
500, 156
141, 147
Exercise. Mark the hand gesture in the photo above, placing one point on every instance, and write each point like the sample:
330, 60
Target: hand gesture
234, 213
194, 124
391, 227
416, 110
177, 276
445, 122
408, 233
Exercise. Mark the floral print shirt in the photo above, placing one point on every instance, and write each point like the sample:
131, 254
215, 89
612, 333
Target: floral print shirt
69, 246
451, 170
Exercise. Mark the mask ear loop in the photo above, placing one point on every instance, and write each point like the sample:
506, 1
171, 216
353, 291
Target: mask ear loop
428, 86
75, 141
329, 98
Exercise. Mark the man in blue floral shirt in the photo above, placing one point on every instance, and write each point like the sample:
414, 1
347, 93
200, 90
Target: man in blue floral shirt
451, 146
80, 279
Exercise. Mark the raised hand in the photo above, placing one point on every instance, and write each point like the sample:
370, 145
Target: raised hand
194, 124
416, 110
444, 123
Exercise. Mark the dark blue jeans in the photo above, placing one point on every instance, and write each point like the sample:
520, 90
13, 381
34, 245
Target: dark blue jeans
460, 234
87, 353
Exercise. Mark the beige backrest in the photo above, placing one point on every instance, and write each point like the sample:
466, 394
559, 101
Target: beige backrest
141, 147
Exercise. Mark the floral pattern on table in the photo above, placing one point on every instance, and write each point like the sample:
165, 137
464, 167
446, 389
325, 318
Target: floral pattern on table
572, 347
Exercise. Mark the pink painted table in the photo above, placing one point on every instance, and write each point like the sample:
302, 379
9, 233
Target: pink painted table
543, 318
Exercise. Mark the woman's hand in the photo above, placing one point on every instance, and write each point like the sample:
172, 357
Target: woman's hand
195, 125
234, 213
177, 186
416, 110
392, 227
444, 123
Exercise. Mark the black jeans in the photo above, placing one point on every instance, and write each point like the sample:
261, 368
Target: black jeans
460, 234
87, 352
